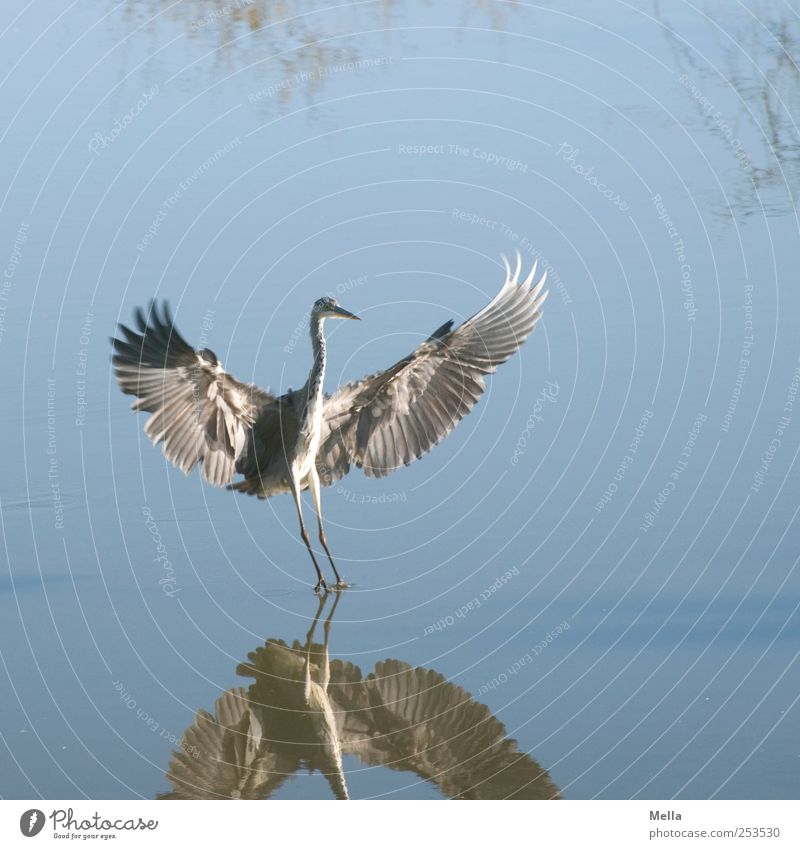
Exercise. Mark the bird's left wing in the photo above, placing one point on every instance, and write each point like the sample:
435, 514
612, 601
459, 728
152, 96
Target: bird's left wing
200, 412
389, 419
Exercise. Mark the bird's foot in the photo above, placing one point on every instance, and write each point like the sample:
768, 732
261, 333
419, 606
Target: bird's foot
321, 587
340, 585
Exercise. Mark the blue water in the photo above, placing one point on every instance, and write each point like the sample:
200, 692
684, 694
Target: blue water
241, 160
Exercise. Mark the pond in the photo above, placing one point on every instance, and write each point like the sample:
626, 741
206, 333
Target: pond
590, 588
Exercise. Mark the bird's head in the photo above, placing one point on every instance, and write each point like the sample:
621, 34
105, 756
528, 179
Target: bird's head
328, 308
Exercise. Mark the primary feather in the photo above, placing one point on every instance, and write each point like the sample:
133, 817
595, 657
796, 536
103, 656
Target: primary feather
391, 418
200, 412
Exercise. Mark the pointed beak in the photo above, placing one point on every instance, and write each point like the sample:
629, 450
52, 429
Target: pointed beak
339, 312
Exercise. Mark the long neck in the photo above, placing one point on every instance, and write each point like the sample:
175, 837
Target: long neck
316, 376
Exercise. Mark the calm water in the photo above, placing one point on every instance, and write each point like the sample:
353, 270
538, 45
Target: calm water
604, 554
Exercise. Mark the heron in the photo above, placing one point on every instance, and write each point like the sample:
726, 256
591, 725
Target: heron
305, 438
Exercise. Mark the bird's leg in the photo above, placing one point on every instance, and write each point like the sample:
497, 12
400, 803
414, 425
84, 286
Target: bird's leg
315, 497
323, 600
325, 665
326, 628
320, 585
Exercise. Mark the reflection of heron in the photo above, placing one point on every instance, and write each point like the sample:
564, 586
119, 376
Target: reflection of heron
306, 712
304, 438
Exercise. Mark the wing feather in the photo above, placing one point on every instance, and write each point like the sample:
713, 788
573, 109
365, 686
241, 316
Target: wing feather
419, 721
201, 413
391, 418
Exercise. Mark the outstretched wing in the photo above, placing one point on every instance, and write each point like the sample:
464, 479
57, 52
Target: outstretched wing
417, 720
200, 412
227, 755
391, 418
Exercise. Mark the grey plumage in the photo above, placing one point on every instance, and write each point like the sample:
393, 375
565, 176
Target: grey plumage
201, 413
391, 418
304, 438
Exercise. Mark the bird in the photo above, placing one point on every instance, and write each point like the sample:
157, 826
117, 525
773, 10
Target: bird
305, 438
305, 712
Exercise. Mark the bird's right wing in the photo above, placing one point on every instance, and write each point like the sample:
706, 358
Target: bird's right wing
200, 412
391, 418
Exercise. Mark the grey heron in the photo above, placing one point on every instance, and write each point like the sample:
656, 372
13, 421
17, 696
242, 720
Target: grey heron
305, 439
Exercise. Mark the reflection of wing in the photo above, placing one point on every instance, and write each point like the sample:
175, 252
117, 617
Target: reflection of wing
226, 757
421, 722
304, 711
389, 419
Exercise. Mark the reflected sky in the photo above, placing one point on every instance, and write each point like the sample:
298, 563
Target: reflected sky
601, 559
763, 134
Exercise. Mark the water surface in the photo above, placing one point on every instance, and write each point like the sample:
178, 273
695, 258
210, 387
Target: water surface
603, 555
